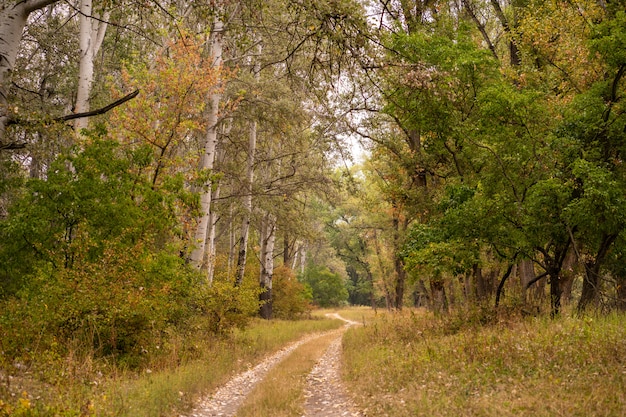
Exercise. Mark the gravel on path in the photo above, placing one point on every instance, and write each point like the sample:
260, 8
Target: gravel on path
227, 399
325, 394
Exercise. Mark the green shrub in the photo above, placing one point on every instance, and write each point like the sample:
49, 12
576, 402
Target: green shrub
223, 305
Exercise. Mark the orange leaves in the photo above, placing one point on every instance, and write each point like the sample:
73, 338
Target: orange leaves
169, 111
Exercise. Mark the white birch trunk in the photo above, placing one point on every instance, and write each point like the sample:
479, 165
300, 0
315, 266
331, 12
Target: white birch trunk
211, 248
13, 15
91, 35
296, 254
247, 199
210, 146
213, 217
231, 238
268, 239
302, 258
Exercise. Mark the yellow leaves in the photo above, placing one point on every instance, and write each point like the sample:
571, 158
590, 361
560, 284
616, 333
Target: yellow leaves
555, 35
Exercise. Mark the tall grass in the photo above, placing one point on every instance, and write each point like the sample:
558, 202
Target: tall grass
413, 364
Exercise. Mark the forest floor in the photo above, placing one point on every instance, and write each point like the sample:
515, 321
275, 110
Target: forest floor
324, 393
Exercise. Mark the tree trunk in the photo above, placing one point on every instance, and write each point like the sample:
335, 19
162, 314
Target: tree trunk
231, 238
438, 296
398, 263
247, 199
591, 281
268, 239
12, 22
555, 293
302, 251
400, 281
422, 297
211, 247
210, 146
91, 35
514, 54
568, 273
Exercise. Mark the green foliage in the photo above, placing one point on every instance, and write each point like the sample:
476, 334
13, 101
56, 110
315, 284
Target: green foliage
609, 39
290, 298
328, 288
92, 262
223, 305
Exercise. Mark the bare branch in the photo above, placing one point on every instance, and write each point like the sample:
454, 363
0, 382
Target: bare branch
98, 111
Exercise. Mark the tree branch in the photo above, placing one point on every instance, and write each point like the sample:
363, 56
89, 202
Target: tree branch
12, 146
32, 5
99, 111
537, 278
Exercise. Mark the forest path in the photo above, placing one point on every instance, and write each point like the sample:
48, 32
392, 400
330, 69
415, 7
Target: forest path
324, 393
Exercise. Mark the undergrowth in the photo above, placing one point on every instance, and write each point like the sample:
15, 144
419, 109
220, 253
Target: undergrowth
488, 364
165, 386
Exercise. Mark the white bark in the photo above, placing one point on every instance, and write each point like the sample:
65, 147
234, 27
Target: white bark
210, 146
268, 239
231, 238
211, 247
13, 15
247, 199
213, 218
91, 35
302, 258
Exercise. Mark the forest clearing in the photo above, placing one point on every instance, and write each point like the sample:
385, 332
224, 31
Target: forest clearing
187, 188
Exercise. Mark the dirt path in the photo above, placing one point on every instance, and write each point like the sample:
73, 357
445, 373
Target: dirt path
325, 397
325, 394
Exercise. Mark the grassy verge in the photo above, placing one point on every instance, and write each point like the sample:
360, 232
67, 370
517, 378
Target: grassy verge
416, 365
281, 393
164, 389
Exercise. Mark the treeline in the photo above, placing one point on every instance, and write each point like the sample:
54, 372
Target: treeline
496, 132
160, 161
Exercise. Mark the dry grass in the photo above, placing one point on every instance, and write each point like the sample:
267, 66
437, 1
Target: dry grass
281, 393
415, 365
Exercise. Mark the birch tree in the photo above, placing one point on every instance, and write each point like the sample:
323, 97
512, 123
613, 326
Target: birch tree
13, 17
247, 199
207, 160
93, 27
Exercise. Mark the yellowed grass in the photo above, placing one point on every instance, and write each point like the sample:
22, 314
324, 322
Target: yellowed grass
281, 393
405, 366
172, 391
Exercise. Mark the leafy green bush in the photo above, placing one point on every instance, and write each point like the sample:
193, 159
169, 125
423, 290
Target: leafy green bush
91, 261
223, 305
